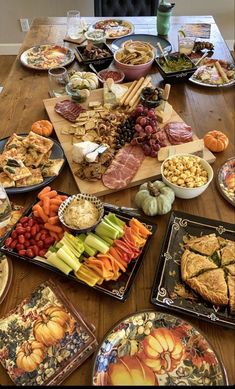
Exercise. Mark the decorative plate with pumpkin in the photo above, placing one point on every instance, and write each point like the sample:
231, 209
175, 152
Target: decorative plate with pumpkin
157, 349
44, 339
226, 180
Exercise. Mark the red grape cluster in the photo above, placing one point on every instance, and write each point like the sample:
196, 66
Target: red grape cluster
147, 133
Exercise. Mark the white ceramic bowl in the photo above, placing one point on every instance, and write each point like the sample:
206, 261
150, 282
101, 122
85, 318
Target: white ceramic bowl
188, 193
93, 199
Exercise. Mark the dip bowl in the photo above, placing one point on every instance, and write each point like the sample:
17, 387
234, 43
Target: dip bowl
67, 205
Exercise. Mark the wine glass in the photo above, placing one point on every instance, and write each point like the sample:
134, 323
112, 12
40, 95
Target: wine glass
5, 207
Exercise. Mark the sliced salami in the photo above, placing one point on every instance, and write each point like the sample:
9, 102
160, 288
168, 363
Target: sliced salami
69, 110
123, 167
178, 132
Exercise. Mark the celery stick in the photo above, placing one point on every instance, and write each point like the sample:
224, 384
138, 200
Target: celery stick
59, 264
70, 260
82, 237
89, 250
119, 229
105, 229
113, 218
108, 240
97, 243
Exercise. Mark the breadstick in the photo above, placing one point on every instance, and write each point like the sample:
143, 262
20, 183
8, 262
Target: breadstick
221, 72
137, 95
134, 90
127, 92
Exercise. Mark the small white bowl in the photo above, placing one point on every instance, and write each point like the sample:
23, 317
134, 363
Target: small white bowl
188, 193
85, 196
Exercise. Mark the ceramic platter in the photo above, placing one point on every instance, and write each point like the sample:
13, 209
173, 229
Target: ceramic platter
6, 272
200, 76
152, 39
226, 180
157, 349
56, 153
45, 57
114, 28
169, 290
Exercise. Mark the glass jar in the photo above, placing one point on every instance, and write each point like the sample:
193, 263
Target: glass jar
5, 208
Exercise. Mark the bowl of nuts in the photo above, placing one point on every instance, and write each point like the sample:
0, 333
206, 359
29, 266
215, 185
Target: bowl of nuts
188, 175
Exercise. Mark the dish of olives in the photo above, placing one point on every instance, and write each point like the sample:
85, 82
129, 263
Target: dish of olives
151, 97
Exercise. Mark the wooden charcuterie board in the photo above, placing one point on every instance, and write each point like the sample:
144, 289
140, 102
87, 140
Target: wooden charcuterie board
149, 170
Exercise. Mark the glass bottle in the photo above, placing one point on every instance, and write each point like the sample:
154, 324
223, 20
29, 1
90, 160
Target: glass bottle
163, 17
5, 208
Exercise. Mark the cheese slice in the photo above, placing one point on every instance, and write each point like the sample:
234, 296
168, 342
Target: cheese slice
164, 114
79, 150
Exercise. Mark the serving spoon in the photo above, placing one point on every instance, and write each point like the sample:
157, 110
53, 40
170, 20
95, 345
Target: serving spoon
161, 49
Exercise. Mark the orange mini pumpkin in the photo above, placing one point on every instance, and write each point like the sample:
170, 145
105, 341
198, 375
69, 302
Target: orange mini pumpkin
162, 351
130, 370
51, 325
42, 127
30, 355
216, 141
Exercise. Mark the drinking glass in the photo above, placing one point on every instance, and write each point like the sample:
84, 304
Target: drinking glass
74, 25
5, 208
58, 78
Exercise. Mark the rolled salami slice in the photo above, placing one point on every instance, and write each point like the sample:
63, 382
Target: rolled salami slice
178, 132
69, 110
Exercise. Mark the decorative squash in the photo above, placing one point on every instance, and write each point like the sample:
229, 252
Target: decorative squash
51, 325
216, 141
83, 80
130, 370
30, 355
155, 198
42, 127
162, 351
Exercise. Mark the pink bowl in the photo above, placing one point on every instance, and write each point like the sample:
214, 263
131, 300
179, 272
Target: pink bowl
133, 72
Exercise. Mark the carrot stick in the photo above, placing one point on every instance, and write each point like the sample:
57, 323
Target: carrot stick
53, 220
35, 213
56, 201
44, 190
46, 205
53, 228
50, 194
54, 208
41, 212
63, 197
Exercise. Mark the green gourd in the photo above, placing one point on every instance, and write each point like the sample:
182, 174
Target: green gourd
154, 198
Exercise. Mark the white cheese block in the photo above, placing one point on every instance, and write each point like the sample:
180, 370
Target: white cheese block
79, 150
164, 115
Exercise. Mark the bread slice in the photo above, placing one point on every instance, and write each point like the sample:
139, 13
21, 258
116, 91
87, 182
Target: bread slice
231, 290
211, 285
228, 253
52, 167
192, 264
206, 244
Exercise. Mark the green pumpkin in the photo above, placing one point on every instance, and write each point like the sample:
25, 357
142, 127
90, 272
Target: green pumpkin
155, 198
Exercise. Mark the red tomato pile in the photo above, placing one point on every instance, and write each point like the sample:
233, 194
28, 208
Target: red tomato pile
30, 238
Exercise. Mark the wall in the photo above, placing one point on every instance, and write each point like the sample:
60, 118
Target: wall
12, 10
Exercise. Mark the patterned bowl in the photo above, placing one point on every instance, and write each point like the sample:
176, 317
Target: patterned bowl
81, 196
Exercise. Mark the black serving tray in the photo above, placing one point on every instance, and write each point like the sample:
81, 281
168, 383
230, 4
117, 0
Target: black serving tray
118, 289
168, 273
178, 75
100, 63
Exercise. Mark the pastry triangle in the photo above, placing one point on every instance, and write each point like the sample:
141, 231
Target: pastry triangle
192, 264
206, 245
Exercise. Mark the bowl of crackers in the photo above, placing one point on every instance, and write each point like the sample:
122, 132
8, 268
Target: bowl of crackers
135, 59
188, 175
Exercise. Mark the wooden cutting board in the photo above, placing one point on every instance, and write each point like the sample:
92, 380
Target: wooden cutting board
149, 170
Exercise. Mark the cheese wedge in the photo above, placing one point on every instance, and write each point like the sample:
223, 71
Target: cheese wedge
164, 115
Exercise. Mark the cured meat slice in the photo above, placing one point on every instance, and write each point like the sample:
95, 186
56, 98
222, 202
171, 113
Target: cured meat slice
123, 167
178, 132
69, 110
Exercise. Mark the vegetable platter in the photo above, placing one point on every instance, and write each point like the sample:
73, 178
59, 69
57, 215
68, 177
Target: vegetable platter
150, 168
106, 259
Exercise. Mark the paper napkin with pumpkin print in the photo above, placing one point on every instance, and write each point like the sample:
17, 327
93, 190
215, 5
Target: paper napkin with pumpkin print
44, 338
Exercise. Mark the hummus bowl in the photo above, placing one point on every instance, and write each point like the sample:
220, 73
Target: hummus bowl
81, 212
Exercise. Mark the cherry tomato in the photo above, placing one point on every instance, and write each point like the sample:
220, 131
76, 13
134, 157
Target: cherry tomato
43, 236
13, 244
35, 250
48, 241
21, 239
26, 243
14, 234
33, 230
32, 241
29, 253
19, 225
42, 252
24, 219
8, 242
40, 244
27, 235
25, 225
20, 230
28, 229
22, 252
31, 222
19, 247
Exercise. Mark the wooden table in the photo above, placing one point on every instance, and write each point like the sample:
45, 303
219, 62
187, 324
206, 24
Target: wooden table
202, 108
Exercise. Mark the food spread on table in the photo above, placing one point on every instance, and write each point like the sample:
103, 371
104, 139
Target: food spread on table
111, 138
